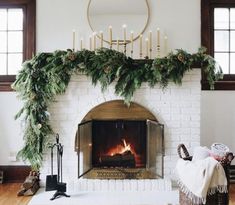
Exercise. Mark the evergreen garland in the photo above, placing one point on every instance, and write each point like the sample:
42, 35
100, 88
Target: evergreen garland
48, 74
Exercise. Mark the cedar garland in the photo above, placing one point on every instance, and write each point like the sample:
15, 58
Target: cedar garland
48, 74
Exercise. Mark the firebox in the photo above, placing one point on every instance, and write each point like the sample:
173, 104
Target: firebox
133, 148
119, 143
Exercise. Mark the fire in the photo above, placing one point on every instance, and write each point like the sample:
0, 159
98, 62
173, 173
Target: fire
127, 147
121, 148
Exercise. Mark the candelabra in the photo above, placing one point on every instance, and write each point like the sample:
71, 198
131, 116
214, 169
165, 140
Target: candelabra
97, 41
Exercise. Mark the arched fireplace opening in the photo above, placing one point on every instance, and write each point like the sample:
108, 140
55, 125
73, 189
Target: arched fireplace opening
117, 141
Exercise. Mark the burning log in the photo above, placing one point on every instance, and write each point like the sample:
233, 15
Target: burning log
126, 159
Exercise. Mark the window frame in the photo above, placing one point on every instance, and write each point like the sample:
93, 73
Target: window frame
29, 34
207, 39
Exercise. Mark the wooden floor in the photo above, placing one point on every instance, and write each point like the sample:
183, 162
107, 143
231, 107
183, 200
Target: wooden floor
232, 195
8, 195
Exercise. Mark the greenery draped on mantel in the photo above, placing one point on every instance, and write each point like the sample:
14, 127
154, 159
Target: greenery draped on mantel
48, 74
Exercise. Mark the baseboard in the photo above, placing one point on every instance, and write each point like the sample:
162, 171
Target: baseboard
15, 174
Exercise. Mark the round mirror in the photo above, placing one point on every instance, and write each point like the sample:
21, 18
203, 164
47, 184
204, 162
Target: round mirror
134, 14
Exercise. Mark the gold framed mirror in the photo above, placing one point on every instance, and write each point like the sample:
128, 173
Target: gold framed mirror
102, 14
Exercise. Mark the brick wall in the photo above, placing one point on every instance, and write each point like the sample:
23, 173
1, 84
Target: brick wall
177, 107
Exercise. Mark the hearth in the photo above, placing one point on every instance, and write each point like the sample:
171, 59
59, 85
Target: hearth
120, 149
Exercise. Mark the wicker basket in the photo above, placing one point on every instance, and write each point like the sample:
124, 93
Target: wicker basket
217, 198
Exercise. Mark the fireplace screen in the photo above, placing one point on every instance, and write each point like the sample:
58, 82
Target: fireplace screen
121, 144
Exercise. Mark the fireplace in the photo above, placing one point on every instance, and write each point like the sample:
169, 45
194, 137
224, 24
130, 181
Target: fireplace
84, 102
121, 147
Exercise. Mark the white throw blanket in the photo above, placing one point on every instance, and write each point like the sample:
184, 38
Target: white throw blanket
201, 178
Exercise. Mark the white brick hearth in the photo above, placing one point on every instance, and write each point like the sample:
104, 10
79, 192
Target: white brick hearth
177, 107
130, 185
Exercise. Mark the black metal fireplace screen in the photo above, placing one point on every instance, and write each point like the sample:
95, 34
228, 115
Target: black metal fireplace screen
121, 144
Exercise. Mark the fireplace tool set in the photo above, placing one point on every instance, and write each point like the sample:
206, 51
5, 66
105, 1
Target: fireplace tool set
55, 182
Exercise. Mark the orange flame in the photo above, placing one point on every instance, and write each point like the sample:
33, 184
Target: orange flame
124, 147
121, 148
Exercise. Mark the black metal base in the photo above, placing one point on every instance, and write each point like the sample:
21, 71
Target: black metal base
58, 194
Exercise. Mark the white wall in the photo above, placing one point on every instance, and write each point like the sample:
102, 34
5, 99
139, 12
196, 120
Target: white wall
179, 19
218, 118
57, 18
10, 130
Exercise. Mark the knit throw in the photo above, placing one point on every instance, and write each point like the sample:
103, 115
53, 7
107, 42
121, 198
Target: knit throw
201, 178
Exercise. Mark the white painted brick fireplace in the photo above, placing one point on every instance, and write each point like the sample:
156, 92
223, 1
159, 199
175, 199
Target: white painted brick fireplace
177, 107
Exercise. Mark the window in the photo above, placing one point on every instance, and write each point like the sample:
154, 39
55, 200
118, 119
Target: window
11, 35
224, 38
218, 36
17, 37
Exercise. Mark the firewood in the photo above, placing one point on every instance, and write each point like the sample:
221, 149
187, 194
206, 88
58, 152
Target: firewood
31, 191
29, 181
127, 159
21, 192
30, 185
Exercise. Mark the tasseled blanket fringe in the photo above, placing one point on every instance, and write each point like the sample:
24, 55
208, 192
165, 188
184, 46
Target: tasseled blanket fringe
201, 200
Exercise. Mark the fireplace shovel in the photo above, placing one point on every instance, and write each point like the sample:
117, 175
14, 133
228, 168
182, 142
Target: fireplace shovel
51, 180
